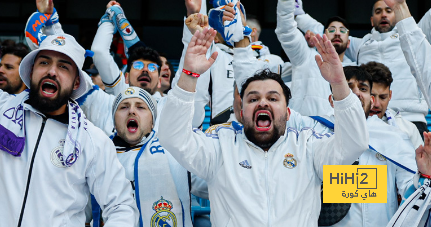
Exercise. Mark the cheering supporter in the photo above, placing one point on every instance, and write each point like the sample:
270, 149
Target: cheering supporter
11, 57
161, 184
382, 79
383, 45
46, 122
166, 76
265, 112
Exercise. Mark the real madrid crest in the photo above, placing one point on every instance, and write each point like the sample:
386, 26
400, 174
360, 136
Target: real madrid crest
163, 216
289, 162
57, 155
394, 36
380, 157
129, 91
59, 41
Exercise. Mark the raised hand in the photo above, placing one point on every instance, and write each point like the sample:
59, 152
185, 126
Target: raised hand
195, 59
309, 35
394, 3
193, 6
197, 22
331, 68
112, 3
45, 6
423, 155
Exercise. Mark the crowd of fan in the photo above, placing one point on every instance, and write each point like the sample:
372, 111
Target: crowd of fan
340, 100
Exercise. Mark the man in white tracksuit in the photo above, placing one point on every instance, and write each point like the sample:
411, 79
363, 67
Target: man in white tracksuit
266, 174
383, 45
309, 90
51, 156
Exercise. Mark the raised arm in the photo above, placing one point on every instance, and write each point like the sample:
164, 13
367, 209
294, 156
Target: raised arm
111, 75
351, 134
290, 37
196, 152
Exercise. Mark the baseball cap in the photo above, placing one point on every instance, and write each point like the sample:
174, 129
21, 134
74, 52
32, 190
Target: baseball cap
64, 44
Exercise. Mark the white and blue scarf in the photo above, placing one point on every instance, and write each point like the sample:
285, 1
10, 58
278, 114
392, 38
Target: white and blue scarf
12, 129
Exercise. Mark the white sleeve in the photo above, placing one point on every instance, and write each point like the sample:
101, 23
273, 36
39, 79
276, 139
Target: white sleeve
245, 65
353, 50
417, 51
199, 187
350, 139
425, 25
291, 39
111, 75
306, 22
4, 97
196, 152
202, 95
97, 106
107, 182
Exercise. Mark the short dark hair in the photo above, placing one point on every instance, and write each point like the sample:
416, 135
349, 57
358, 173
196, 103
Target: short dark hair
379, 73
266, 74
359, 74
14, 50
338, 19
145, 53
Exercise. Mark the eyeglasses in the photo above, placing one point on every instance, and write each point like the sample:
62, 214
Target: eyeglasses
140, 65
333, 29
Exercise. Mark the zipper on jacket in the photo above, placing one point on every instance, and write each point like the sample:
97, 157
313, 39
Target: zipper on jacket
267, 189
29, 172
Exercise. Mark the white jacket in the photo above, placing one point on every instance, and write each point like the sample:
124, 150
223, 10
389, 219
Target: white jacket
58, 196
374, 214
385, 48
250, 187
310, 91
417, 51
405, 126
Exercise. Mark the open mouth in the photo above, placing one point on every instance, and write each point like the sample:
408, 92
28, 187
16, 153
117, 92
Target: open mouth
263, 120
166, 76
384, 23
132, 125
375, 112
336, 41
144, 79
49, 88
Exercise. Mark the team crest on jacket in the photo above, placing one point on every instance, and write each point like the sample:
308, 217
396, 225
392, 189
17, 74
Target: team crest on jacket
289, 162
163, 217
57, 155
380, 157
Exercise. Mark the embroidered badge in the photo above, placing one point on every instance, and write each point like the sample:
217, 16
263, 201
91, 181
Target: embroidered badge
129, 91
245, 164
289, 162
57, 155
163, 216
380, 157
394, 36
59, 41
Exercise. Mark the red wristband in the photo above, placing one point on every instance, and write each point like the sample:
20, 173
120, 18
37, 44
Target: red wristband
191, 74
424, 175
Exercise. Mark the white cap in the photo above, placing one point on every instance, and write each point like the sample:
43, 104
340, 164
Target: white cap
64, 44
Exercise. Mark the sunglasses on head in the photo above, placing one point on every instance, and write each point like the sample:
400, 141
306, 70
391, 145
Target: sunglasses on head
140, 65
333, 29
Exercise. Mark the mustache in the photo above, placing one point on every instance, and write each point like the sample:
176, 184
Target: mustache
144, 74
261, 108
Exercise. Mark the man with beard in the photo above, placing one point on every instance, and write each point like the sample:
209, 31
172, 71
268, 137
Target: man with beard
51, 156
10, 59
156, 176
383, 45
309, 89
382, 80
245, 167
165, 76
